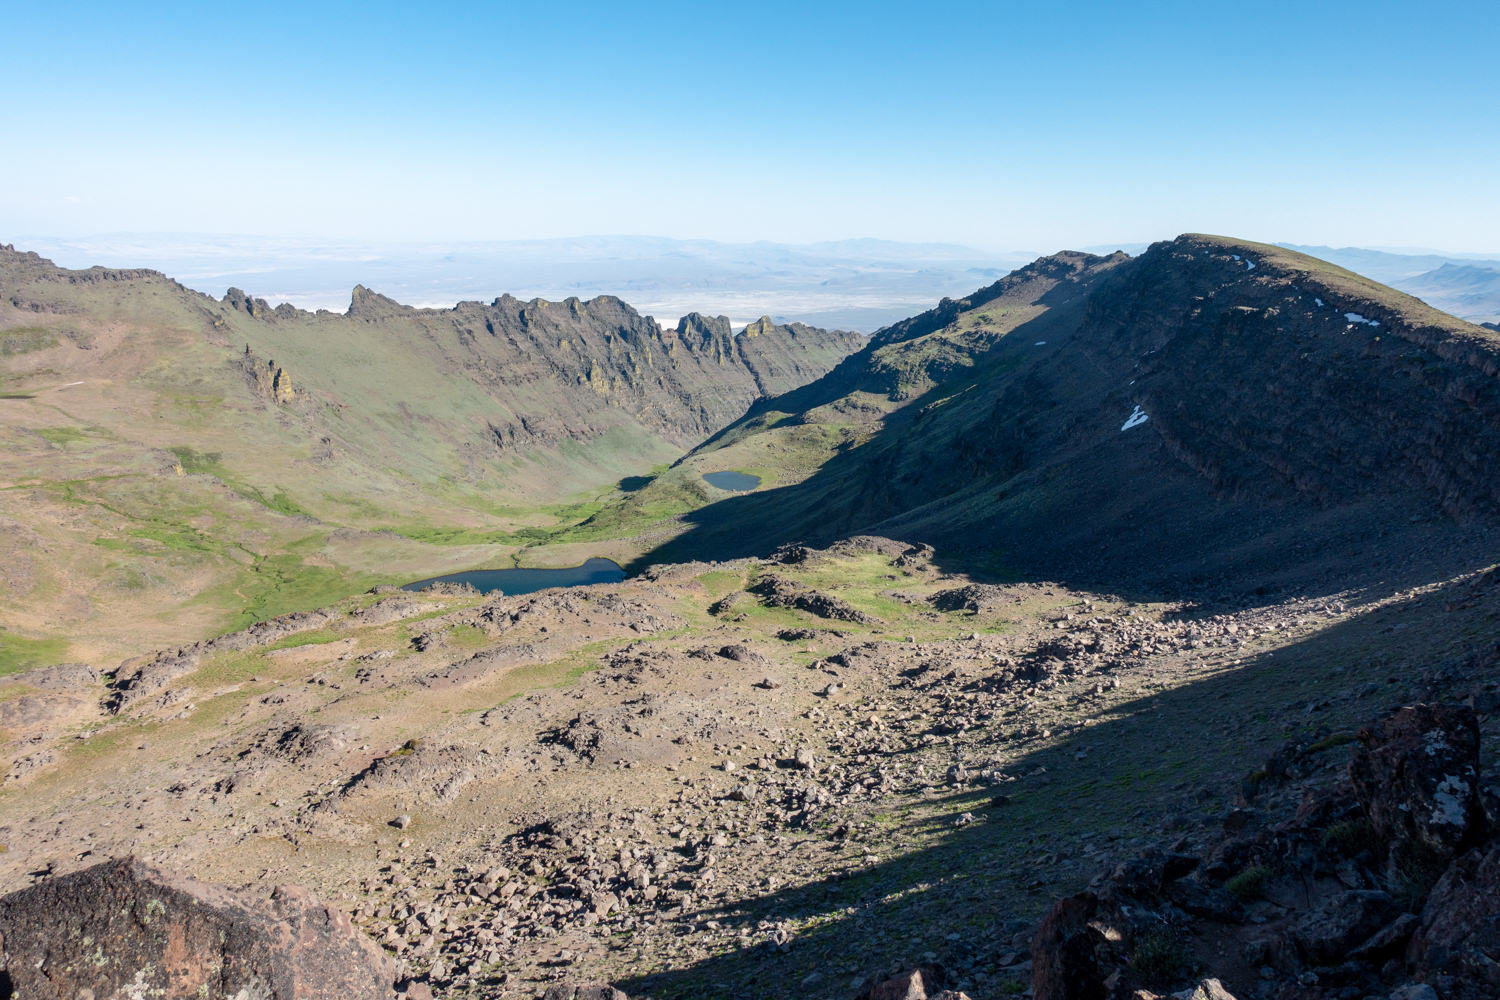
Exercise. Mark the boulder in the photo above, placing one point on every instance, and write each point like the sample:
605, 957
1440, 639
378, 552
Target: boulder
1342, 923
911, 985
1064, 965
1459, 935
1416, 777
124, 928
569, 990
1208, 989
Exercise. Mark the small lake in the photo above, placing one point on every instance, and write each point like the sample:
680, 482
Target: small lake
734, 482
511, 582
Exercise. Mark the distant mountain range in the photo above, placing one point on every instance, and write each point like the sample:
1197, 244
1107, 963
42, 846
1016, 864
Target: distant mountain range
1465, 285
857, 284
860, 284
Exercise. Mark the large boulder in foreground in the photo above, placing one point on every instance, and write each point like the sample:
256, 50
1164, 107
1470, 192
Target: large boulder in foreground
1460, 931
126, 929
1416, 775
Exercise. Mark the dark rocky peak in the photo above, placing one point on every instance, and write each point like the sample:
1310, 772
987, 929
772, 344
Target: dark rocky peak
1257, 364
237, 300
699, 331
760, 327
368, 305
1044, 273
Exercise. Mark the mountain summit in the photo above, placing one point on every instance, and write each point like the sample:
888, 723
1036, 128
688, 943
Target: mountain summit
1213, 407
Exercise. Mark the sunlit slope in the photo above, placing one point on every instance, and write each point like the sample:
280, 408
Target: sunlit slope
177, 464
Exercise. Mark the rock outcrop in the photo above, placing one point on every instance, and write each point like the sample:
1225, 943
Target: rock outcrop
126, 929
1314, 896
1417, 777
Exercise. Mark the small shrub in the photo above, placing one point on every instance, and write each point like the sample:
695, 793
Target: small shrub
1410, 875
1351, 836
408, 748
1162, 958
1250, 883
1329, 742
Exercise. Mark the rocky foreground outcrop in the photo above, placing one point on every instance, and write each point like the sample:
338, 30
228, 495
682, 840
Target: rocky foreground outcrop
1385, 884
126, 929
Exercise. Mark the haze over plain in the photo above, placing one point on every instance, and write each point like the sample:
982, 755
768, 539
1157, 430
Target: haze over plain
1001, 126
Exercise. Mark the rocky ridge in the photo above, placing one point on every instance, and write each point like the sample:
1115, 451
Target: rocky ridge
1211, 410
682, 383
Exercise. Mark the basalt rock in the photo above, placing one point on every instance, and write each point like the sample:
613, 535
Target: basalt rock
1460, 931
582, 991
1317, 889
127, 929
1416, 775
779, 592
1064, 966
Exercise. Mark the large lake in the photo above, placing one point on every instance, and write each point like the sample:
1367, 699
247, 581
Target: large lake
734, 482
525, 581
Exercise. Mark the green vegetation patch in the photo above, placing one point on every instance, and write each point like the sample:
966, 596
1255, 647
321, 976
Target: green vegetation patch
315, 637
23, 340
1250, 883
196, 463
209, 463
1162, 957
1330, 742
1352, 836
280, 583
179, 538
62, 436
19, 653
468, 636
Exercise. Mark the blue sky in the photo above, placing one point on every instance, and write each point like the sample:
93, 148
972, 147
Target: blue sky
1000, 125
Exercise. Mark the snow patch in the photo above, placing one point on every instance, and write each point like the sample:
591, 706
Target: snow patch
1249, 264
1041, 343
1357, 318
1135, 419
1318, 301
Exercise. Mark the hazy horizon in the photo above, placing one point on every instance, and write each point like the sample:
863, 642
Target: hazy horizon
858, 284
986, 125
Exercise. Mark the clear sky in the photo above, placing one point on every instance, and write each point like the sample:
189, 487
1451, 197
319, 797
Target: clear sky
1002, 125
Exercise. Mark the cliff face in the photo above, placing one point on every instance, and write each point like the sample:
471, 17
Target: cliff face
682, 384
517, 375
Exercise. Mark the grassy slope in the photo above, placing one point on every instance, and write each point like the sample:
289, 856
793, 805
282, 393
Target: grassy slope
153, 495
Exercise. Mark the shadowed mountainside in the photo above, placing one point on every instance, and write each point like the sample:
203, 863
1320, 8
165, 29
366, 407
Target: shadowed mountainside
1211, 410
